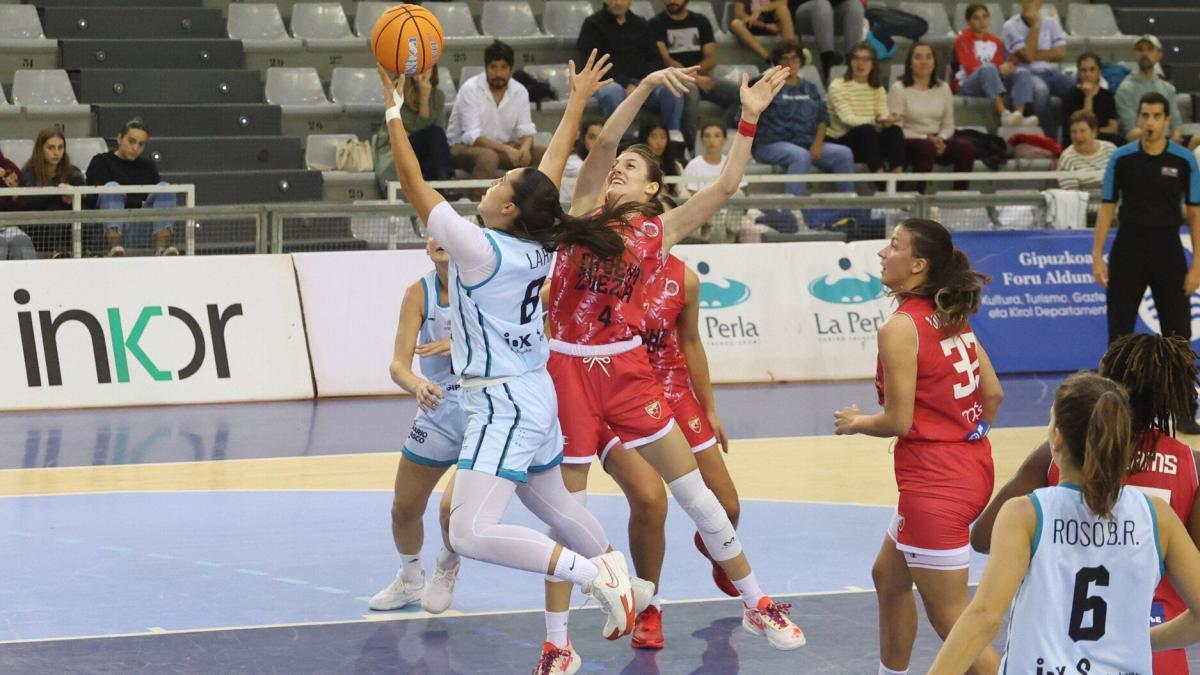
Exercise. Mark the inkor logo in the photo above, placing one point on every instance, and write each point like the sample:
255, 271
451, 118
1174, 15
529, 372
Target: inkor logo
124, 341
846, 290
717, 296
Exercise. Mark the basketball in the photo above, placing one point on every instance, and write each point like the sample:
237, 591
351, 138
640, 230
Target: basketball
407, 39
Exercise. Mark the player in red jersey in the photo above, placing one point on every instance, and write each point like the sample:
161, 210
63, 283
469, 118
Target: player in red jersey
940, 396
597, 311
1160, 375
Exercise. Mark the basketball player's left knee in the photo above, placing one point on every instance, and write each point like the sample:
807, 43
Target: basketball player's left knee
462, 536
701, 505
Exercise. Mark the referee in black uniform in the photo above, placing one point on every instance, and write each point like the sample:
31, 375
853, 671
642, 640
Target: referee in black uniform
1150, 177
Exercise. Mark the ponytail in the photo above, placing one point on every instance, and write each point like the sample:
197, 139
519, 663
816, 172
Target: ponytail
1092, 415
543, 220
955, 287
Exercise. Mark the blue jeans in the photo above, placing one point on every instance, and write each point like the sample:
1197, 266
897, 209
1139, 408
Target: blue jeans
1037, 87
668, 106
157, 200
797, 160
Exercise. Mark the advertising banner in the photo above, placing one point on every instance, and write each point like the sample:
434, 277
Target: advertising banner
146, 331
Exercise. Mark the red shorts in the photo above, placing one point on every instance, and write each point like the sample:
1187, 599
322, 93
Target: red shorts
943, 489
690, 417
603, 396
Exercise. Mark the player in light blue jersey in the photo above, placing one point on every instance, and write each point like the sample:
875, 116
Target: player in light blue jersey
433, 444
512, 442
1082, 558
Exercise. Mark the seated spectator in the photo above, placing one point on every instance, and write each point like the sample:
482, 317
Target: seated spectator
15, 244
983, 70
859, 117
1036, 44
589, 131
1086, 152
655, 137
712, 160
127, 166
761, 17
791, 131
817, 18
632, 51
926, 111
490, 126
685, 39
51, 166
1090, 96
1142, 82
423, 110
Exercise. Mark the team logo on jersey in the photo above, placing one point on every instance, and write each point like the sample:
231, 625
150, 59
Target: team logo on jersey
654, 409
694, 424
520, 344
671, 288
650, 228
846, 290
720, 295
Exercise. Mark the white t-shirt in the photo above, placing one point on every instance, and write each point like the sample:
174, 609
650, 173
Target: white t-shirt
570, 173
477, 114
700, 167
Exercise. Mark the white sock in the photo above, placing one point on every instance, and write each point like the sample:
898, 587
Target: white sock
748, 587
884, 670
575, 568
656, 603
447, 559
556, 628
410, 567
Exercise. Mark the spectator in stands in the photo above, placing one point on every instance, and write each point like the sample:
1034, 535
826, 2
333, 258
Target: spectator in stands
859, 117
983, 70
51, 166
127, 166
1145, 80
725, 226
1090, 96
632, 51
490, 126
817, 17
1087, 152
654, 136
1036, 44
791, 131
10, 177
686, 39
761, 17
926, 110
14, 243
423, 110
589, 132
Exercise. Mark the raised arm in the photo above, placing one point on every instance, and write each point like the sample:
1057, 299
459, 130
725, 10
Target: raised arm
583, 85
408, 168
589, 187
680, 222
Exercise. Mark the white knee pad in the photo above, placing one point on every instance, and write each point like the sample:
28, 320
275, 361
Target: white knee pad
701, 505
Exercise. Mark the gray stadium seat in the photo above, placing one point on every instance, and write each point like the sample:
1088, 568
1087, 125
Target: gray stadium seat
45, 91
467, 73
960, 21
733, 72
837, 71
813, 75
82, 150
1091, 20
446, 86
1048, 10
705, 9
20, 22
511, 21
322, 24
895, 72
455, 18
19, 150
357, 90
365, 15
320, 151
935, 14
642, 8
564, 18
256, 22
298, 91
557, 77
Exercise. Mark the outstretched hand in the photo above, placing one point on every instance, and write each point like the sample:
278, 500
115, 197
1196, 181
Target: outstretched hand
590, 78
674, 79
755, 99
393, 89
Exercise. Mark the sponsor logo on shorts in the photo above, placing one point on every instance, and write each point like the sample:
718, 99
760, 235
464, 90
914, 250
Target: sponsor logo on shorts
899, 523
694, 424
418, 435
654, 409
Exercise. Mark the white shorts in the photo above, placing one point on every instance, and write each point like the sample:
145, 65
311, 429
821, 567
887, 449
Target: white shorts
957, 559
436, 437
512, 427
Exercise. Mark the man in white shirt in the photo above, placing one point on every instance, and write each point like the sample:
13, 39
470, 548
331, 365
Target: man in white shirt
490, 126
1036, 43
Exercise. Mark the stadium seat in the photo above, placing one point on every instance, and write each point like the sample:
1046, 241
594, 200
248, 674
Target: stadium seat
895, 72
82, 150
557, 77
446, 86
455, 18
733, 72
704, 8
298, 91
366, 13
1096, 23
813, 75
512, 22
256, 23
19, 150
564, 18
20, 22
357, 90
320, 151
935, 14
837, 71
45, 91
642, 8
323, 24
467, 73
959, 18
1048, 10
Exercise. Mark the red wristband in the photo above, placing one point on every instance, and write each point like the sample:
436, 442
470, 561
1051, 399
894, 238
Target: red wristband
747, 129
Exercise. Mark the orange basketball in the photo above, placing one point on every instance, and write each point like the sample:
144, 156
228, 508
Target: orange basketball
407, 39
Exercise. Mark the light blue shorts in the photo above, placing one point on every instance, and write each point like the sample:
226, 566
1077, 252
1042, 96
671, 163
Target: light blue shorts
512, 428
436, 437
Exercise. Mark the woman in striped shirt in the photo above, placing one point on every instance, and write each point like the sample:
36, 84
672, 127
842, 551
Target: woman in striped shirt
1086, 152
859, 117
